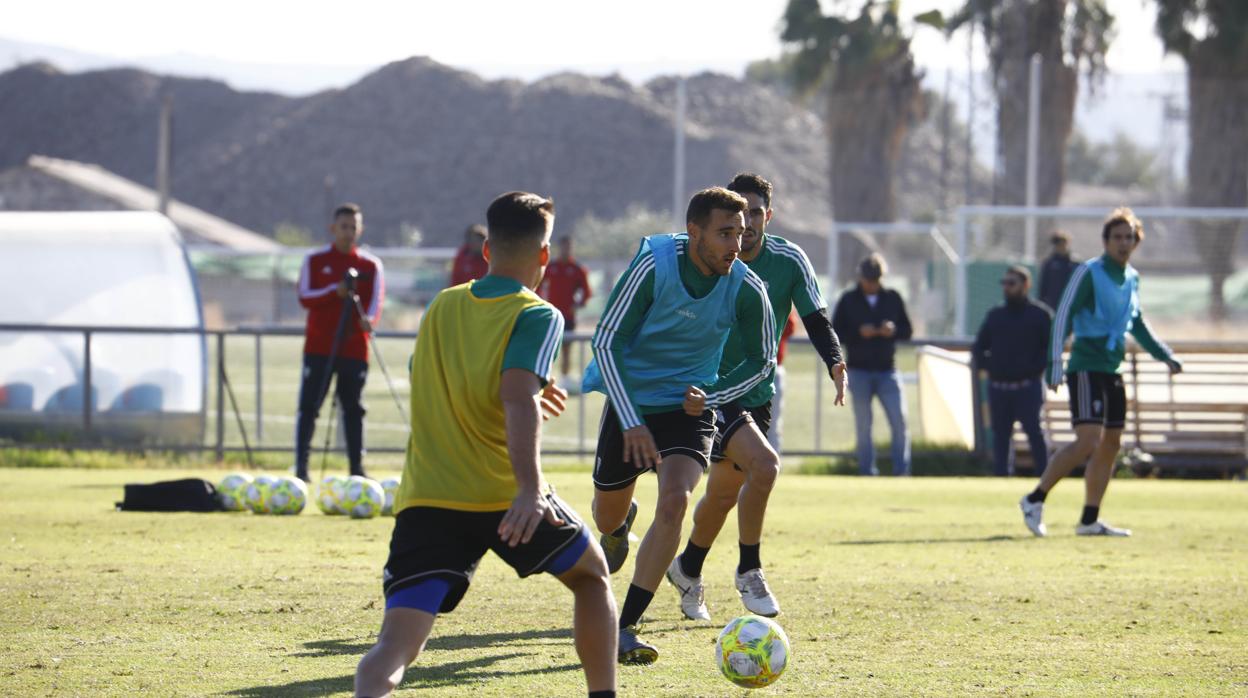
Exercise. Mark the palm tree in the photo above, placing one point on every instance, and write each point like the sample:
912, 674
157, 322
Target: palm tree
1069, 36
1217, 119
864, 68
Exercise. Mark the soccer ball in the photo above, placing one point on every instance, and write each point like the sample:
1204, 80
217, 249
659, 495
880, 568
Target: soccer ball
329, 495
389, 486
231, 491
257, 494
362, 498
752, 651
288, 496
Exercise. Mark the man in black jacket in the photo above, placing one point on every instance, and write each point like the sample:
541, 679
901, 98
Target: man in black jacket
1056, 269
1011, 346
870, 319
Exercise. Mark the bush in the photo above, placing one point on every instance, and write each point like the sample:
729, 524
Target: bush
926, 459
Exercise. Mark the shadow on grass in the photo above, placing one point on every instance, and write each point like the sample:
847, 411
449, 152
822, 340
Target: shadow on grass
915, 541
331, 648
310, 687
424, 673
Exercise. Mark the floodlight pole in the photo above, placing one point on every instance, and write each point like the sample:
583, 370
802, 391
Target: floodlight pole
678, 164
1033, 155
163, 147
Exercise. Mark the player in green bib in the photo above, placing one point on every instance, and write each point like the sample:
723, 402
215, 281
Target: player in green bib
473, 481
743, 465
657, 355
1101, 305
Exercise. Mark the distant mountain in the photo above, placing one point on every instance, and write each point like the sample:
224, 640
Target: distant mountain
418, 143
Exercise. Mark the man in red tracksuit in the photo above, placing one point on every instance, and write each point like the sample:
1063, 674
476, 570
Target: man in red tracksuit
566, 286
323, 290
469, 263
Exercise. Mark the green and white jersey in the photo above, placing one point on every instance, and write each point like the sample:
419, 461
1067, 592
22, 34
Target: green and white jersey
791, 282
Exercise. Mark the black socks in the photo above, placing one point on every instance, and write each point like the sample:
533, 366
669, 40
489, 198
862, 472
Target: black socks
691, 560
602, 694
1037, 495
635, 604
749, 558
1089, 515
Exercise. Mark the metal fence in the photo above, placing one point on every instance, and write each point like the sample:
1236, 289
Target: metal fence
260, 366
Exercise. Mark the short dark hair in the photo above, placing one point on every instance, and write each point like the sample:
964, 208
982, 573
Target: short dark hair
475, 230
518, 220
750, 183
872, 267
707, 200
1059, 236
348, 209
1121, 215
1022, 272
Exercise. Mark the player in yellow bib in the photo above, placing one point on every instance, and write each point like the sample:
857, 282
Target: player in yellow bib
473, 481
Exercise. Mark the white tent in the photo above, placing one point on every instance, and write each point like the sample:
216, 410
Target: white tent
99, 269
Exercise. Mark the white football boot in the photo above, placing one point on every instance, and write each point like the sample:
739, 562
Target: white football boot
756, 595
1100, 528
1033, 516
692, 599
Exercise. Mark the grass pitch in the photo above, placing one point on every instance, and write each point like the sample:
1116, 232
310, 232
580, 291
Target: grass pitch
890, 587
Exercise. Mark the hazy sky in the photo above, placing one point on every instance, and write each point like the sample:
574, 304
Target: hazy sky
497, 38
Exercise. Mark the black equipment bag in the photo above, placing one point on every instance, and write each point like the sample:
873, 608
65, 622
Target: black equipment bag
191, 494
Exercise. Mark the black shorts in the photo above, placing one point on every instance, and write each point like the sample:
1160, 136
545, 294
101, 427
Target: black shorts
1097, 398
431, 542
733, 416
673, 432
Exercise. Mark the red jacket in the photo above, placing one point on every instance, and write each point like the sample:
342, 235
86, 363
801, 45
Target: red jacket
790, 326
468, 265
561, 284
318, 283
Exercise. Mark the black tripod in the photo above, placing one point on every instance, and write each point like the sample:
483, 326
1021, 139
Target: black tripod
349, 278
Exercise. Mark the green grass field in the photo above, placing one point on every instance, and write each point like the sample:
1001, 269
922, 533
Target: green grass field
926, 586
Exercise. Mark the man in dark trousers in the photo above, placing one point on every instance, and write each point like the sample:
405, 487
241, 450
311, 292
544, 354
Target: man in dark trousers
870, 319
323, 290
1056, 269
566, 286
1012, 346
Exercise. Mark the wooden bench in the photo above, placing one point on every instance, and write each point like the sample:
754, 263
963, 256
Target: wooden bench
1192, 424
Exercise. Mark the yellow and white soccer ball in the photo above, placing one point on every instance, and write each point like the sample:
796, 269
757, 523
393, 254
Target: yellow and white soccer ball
362, 498
329, 494
752, 651
257, 494
232, 490
390, 486
288, 496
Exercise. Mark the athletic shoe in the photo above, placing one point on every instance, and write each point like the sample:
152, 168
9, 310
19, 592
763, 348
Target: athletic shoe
615, 548
1033, 516
755, 594
692, 601
1100, 528
634, 650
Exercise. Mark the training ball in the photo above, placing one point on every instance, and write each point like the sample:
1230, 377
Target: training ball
257, 494
362, 498
389, 486
288, 496
329, 494
752, 651
232, 490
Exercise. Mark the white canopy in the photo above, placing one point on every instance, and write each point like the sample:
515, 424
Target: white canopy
98, 269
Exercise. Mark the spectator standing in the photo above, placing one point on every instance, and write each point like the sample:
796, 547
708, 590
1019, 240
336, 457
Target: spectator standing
870, 319
566, 286
1056, 269
1012, 346
323, 290
469, 264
